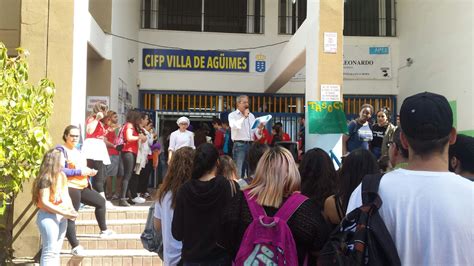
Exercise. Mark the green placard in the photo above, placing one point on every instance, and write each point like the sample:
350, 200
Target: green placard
326, 117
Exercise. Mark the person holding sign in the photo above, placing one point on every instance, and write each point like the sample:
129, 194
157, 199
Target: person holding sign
360, 133
240, 122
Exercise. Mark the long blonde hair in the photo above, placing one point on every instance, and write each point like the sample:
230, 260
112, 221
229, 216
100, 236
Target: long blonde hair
276, 177
49, 172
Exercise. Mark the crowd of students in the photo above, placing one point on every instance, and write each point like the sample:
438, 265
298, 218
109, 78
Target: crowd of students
205, 204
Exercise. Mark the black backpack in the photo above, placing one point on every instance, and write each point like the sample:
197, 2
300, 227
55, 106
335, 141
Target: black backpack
361, 238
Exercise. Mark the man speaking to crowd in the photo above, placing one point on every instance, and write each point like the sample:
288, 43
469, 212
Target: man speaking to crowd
240, 122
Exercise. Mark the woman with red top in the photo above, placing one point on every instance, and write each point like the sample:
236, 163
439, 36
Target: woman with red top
261, 135
285, 136
94, 148
218, 135
132, 135
50, 194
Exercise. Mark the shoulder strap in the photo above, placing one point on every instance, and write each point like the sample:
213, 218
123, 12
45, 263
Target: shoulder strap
370, 188
255, 209
61, 148
290, 206
337, 202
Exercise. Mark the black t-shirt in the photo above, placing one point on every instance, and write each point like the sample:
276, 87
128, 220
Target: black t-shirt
378, 133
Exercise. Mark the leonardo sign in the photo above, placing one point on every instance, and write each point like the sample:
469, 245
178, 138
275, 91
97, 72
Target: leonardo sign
367, 62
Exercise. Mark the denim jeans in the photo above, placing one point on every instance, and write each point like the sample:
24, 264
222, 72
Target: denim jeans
239, 154
377, 151
52, 232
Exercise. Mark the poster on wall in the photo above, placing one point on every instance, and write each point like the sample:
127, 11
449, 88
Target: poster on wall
326, 117
92, 100
367, 62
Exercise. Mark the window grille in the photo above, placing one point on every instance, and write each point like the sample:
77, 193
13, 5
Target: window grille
232, 16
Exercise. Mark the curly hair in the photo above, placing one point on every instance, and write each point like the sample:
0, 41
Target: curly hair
179, 171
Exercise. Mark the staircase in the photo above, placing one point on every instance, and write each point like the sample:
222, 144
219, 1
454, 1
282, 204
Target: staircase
123, 248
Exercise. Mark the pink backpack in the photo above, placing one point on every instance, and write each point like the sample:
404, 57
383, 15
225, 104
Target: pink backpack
268, 240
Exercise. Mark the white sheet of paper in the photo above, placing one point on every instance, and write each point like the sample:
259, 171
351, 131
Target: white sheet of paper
330, 92
330, 42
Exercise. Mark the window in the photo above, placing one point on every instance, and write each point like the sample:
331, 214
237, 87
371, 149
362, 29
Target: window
291, 15
234, 16
361, 17
369, 18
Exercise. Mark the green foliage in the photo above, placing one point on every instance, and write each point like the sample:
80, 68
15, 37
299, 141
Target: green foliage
24, 113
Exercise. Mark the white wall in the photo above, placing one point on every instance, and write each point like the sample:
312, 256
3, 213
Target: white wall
438, 36
125, 22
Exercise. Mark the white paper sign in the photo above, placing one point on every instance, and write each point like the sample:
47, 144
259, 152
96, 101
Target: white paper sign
92, 100
330, 92
367, 62
330, 42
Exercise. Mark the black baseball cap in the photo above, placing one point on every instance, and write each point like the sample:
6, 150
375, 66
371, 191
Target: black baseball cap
426, 116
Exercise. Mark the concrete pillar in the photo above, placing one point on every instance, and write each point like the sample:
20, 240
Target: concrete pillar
48, 29
323, 68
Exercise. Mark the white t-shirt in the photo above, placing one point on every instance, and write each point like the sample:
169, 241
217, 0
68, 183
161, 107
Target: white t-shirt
171, 247
430, 216
180, 139
74, 155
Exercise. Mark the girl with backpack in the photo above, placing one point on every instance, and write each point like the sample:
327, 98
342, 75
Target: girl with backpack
200, 203
50, 194
357, 164
271, 208
179, 172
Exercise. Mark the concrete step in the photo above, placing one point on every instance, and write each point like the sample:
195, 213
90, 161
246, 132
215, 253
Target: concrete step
90, 227
117, 213
118, 257
118, 241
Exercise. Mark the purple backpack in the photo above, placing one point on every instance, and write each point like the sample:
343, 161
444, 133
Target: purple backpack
268, 240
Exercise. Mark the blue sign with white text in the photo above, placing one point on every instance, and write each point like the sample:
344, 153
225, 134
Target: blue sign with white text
378, 50
167, 59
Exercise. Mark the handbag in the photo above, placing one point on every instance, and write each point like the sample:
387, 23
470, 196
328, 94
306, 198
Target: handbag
152, 240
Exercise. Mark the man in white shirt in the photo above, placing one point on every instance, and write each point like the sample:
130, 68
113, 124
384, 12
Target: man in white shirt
240, 122
427, 209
